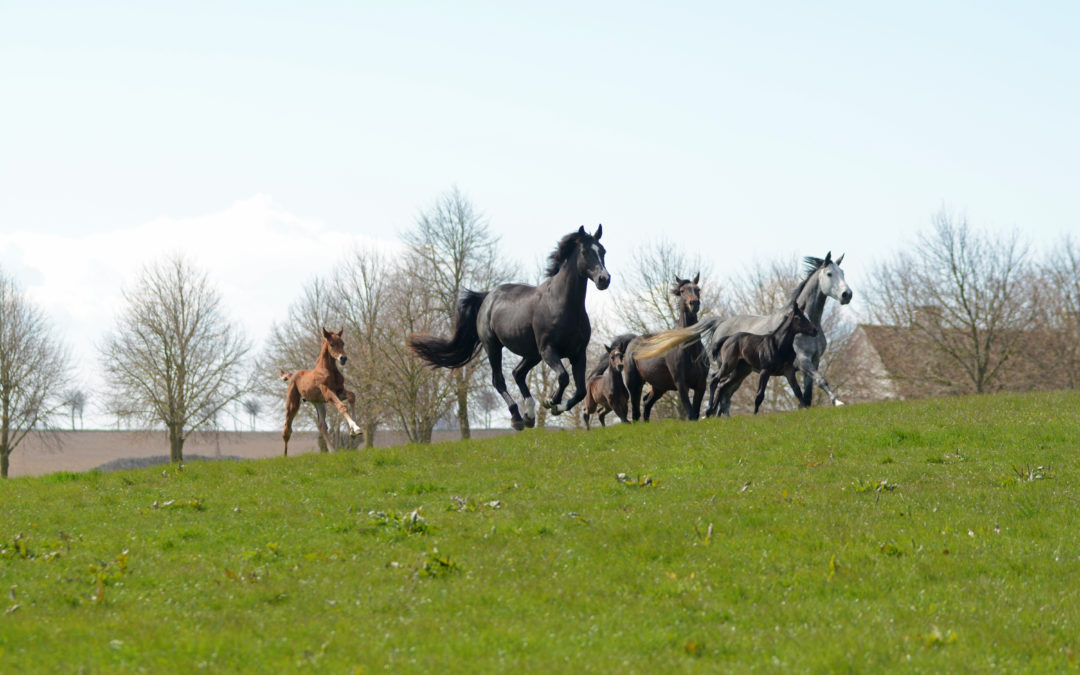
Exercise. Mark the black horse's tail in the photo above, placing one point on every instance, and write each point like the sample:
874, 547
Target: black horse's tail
465, 343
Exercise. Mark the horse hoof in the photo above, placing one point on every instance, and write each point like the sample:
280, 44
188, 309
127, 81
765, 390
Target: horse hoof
517, 425
530, 422
838, 402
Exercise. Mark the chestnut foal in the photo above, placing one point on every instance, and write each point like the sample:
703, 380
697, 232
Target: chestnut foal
321, 385
605, 390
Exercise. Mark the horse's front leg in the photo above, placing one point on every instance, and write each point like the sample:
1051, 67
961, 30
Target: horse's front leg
763, 382
331, 398
553, 361
577, 367
789, 373
521, 375
812, 376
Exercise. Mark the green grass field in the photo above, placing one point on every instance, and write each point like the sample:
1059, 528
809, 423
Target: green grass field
936, 536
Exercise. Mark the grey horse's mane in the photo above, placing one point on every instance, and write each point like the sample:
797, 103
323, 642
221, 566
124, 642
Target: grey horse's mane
810, 265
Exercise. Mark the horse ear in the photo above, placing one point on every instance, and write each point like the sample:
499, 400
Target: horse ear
697, 277
840, 259
607, 348
341, 330
581, 230
326, 333
828, 257
599, 232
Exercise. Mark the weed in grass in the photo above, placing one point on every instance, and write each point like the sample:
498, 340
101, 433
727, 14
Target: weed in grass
410, 523
937, 638
1028, 474
435, 565
641, 481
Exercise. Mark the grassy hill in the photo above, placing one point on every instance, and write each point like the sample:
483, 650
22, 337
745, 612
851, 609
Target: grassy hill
937, 535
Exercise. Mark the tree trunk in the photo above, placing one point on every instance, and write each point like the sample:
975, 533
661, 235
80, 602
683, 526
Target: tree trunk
5, 454
176, 445
370, 428
424, 432
462, 382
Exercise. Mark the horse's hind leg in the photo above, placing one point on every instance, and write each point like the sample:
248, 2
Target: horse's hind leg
494, 353
521, 375
324, 432
292, 405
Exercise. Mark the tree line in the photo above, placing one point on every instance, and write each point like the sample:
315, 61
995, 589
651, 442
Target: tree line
973, 312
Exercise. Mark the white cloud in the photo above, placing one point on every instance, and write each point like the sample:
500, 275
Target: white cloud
258, 254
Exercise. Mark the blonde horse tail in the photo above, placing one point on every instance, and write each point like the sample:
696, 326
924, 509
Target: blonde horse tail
664, 341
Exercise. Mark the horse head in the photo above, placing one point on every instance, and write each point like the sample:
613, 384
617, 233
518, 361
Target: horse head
615, 358
334, 345
689, 293
590, 258
831, 279
797, 322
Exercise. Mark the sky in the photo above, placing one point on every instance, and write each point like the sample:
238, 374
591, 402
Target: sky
265, 140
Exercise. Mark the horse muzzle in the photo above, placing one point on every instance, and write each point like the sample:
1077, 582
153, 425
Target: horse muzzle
602, 280
845, 297
342, 360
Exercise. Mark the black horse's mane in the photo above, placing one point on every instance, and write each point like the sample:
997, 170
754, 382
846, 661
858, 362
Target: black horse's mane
564, 249
810, 265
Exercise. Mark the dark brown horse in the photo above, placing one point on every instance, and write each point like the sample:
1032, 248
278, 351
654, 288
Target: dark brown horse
683, 369
546, 322
321, 385
770, 354
604, 388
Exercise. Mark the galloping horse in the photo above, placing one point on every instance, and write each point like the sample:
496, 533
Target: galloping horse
771, 354
321, 385
546, 322
684, 369
604, 388
824, 280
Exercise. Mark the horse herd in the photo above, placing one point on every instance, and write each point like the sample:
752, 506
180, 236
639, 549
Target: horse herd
549, 323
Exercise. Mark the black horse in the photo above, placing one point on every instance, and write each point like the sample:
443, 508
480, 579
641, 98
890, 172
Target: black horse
770, 354
683, 369
546, 322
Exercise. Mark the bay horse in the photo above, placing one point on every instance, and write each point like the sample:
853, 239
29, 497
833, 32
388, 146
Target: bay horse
604, 388
683, 369
770, 354
824, 279
546, 322
321, 385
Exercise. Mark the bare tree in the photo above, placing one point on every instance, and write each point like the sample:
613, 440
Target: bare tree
252, 406
645, 301
416, 397
174, 358
75, 400
362, 295
1060, 274
34, 367
965, 299
454, 249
